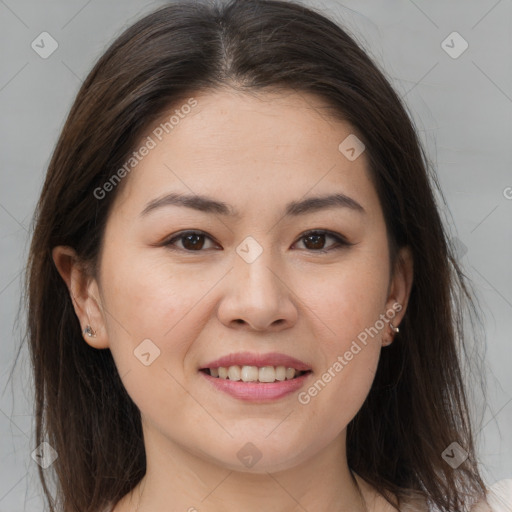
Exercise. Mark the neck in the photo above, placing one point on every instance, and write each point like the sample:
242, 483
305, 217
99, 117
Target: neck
178, 478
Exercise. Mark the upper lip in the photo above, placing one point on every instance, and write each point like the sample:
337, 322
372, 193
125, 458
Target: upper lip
252, 359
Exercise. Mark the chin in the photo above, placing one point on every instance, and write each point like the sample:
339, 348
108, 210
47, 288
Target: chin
261, 457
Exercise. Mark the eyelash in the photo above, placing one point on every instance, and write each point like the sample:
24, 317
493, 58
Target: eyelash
341, 242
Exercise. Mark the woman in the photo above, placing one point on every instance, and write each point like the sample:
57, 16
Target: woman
240, 289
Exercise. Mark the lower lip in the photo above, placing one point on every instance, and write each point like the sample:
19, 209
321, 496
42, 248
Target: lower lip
256, 391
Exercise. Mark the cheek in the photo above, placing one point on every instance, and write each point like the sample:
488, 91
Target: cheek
151, 321
149, 293
346, 299
340, 387
148, 302
348, 305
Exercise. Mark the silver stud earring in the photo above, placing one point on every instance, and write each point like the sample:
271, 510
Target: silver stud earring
88, 331
396, 330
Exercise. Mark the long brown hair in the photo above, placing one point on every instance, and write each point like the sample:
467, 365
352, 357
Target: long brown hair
418, 404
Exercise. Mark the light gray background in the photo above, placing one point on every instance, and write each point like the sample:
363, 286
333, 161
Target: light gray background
461, 106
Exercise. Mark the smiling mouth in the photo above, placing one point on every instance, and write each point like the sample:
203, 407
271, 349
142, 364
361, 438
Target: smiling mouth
264, 374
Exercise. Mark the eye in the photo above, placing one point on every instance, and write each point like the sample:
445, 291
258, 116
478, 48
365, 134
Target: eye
316, 240
192, 241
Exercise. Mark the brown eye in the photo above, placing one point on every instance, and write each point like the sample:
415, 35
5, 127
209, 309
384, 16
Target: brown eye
192, 241
315, 241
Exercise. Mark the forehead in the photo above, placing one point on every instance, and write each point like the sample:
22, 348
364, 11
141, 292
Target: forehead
262, 148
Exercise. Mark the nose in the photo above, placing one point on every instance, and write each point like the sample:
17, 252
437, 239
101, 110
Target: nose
258, 296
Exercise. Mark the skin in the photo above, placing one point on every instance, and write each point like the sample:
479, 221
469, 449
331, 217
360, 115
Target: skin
256, 153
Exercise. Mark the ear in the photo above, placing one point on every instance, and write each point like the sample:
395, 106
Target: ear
84, 293
401, 284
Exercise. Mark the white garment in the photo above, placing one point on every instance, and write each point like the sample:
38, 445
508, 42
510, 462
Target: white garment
499, 498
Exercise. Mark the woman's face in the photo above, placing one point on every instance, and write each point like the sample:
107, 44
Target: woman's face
252, 281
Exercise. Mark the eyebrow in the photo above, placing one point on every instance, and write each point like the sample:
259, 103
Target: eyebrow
209, 205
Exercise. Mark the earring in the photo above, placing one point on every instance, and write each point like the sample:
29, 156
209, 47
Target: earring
396, 330
88, 331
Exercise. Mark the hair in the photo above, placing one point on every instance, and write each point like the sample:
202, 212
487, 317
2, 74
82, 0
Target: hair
418, 404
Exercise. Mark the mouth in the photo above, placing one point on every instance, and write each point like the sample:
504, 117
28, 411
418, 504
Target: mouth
255, 374
256, 378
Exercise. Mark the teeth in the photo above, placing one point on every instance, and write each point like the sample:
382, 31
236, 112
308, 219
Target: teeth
290, 373
234, 373
254, 373
280, 373
267, 374
249, 373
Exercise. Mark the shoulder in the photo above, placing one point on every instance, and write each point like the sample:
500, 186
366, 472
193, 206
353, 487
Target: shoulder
499, 498
415, 502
